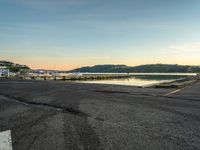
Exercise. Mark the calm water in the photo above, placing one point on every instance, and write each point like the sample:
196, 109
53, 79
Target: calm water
142, 79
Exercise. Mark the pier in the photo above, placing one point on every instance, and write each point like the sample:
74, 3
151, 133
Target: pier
77, 76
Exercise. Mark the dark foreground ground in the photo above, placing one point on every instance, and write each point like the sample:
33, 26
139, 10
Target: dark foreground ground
52, 115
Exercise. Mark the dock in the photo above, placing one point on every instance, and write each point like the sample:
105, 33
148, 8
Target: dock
77, 76
179, 83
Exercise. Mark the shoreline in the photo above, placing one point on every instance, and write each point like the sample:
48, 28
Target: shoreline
177, 83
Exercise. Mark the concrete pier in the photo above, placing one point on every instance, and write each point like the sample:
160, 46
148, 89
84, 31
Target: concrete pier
81, 77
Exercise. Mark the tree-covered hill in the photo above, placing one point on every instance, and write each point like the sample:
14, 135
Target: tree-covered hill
14, 67
151, 68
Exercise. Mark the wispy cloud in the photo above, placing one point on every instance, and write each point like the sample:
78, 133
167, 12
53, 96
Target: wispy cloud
187, 47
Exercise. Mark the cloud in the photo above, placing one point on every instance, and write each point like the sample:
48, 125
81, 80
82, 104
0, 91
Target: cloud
187, 47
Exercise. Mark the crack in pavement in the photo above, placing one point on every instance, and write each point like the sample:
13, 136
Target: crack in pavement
43, 105
50, 107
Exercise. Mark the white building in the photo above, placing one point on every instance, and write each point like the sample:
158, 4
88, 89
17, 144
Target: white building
4, 72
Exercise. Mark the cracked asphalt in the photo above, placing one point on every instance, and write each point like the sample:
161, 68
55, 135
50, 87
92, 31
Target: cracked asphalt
56, 115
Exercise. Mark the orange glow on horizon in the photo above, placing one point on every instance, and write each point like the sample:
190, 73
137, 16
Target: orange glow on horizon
71, 67
62, 65
47, 67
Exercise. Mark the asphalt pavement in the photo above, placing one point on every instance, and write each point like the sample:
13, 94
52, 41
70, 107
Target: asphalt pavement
57, 115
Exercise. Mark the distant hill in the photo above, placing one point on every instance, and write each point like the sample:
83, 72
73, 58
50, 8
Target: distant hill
151, 68
13, 67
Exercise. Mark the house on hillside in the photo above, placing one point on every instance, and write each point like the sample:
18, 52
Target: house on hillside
4, 72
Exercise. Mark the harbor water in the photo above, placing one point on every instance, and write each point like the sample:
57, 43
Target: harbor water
141, 79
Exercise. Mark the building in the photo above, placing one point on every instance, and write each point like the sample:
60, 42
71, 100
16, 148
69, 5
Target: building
4, 72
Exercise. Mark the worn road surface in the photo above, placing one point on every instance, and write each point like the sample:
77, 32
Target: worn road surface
53, 115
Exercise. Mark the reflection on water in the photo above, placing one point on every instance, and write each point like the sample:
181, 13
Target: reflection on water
159, 77
138, 80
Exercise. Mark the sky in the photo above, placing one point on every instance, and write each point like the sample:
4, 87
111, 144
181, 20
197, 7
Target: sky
66, 34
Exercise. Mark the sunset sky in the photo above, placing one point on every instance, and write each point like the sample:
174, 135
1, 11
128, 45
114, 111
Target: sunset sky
66, 34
